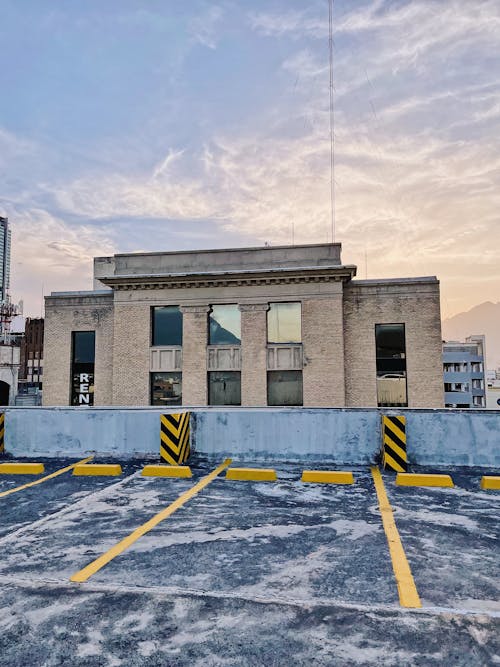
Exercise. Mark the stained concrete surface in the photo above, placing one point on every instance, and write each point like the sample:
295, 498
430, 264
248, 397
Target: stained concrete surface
247, 573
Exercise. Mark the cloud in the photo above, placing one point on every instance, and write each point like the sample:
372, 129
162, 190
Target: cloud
417, 140
48, 252
171, 156
203, 27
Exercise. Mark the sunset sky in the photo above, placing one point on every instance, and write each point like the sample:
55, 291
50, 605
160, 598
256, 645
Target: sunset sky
130, 125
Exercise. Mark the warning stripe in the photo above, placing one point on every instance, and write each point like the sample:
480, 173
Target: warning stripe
397, 429
396, 449
394, 455
174, 437
2, 432
392, 463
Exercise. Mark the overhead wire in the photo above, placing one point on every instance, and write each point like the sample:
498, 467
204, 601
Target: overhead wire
332, 120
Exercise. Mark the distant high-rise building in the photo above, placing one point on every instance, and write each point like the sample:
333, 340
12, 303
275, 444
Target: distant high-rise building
5, 242
464, 373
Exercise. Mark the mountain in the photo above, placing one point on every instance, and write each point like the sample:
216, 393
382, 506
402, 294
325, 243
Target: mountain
482, 319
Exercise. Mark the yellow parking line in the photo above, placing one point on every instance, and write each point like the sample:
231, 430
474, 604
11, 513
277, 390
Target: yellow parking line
124, 544
408, 595
44, 479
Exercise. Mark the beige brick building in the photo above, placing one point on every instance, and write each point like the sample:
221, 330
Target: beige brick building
251, 326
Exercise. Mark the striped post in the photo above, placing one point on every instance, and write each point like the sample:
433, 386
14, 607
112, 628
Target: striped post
394, 455
174, 438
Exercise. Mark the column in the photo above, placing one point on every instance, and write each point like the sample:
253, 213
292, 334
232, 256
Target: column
131, 340
194, 354
254, 353
323, 344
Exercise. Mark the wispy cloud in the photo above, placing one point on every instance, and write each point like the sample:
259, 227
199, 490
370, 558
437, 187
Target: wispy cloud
203, 26
417, 141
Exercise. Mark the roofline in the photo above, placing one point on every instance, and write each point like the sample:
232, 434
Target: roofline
337, 268
219, 250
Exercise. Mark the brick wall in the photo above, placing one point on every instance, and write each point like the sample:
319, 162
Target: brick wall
194, 354
132, 326
323, 345
412, 303
63, 316
254, 353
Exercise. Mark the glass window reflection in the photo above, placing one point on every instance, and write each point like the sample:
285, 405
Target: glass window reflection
166, 389
167, 325
224, 388
284, 323
225, 325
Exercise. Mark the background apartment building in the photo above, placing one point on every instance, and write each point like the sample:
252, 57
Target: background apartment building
279, 326
5, 245
464, 373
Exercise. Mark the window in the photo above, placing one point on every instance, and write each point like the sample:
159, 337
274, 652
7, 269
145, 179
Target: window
167, 326
224, 388
82, 368
284, 388
284, 323
166, 389
391, 365
224, 325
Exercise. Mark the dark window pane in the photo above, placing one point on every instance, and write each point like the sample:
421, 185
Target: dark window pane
84, 347
284, 388
166, 389
391, 365
224, 388
82, 368
167, 325
225, 325
284, 323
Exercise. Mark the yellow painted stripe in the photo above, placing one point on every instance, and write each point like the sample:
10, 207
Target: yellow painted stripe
391, 426
21, 468
396, 448
98, 469
252, 474
166, 471
408, 595
391, 463
44, 479
166, 457
119, 548
328, 477
419, 479
490, 482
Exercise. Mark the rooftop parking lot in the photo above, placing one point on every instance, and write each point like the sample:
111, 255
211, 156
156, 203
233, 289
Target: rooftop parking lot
246, 573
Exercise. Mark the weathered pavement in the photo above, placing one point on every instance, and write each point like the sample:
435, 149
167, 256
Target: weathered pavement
279, 573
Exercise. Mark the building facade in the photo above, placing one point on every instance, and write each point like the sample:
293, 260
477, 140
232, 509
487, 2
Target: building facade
31, 369
249, 326
464, 373
5, 244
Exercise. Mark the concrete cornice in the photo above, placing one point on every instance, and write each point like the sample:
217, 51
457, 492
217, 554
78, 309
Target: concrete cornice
324, 274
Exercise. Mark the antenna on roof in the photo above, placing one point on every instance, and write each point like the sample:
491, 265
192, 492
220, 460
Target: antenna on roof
332, 120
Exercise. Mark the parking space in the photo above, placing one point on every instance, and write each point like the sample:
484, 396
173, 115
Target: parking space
452, 540
30, 504
243, 568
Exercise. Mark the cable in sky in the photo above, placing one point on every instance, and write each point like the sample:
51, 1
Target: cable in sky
332, 121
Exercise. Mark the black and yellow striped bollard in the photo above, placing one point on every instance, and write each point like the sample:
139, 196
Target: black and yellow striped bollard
174, 438
394, 454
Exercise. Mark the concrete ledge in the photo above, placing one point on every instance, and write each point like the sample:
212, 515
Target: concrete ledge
327, 477
419, 479
490, 482
101, 469
252, 474
21, 468
166, 471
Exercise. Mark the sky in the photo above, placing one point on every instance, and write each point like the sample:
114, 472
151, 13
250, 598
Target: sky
136, 125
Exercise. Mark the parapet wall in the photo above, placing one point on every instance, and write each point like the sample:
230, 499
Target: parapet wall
340, 436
